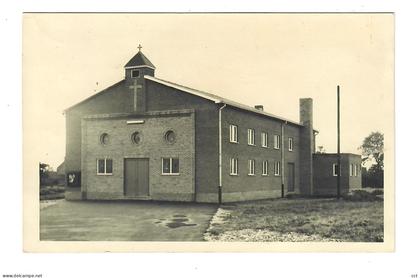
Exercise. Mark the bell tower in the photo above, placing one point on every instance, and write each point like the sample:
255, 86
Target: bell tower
135, 70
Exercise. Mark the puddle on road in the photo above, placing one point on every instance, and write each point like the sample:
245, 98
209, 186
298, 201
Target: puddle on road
177, 220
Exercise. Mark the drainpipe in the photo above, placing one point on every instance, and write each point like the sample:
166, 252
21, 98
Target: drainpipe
282, 159
220, 153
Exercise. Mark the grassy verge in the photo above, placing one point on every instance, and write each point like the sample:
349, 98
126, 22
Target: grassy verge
327, 218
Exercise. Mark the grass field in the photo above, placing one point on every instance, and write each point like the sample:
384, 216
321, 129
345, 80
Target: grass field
326, 219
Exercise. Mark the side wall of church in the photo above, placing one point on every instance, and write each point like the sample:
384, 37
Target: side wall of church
243, 186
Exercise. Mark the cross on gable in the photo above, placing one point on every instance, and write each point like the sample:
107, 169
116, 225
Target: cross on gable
139, 47
134, 87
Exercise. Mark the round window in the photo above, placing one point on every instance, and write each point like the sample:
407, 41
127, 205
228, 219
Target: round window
170, 136
135, 138
104, 139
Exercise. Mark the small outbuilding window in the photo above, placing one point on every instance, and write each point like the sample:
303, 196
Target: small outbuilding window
170, 166
104, 166
335, 170
135, 73
234, 166
170, 136
104, 139
290, 144
233, 133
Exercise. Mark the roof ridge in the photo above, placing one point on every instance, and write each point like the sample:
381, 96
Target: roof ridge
218, 99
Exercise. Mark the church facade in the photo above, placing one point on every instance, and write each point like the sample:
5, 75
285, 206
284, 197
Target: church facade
150, 139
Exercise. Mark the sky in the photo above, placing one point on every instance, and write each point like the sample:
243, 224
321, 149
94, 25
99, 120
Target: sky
267, 59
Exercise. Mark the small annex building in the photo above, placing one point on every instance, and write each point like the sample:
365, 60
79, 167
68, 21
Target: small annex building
151, 139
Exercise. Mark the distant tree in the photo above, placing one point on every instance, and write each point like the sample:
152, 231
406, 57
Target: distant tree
43, 171
321, 149
373, 150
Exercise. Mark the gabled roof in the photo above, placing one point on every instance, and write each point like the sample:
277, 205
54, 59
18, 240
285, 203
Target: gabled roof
217, 99
139, 60
97, 94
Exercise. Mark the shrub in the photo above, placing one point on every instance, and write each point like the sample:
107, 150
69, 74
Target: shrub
377, 192
293, 196
360, 196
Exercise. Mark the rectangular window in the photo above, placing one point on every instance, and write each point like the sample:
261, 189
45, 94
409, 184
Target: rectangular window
104, 166
264, 139
265, 168
234, 166
135, 73
290, 144
335, 170
233, 133
276, 141
251, 167
251, 137
351, 170
277, 168
355, 170
170, 166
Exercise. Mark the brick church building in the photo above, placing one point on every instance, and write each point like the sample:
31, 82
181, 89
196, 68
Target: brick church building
150, 139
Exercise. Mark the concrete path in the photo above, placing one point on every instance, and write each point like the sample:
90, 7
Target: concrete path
125, 221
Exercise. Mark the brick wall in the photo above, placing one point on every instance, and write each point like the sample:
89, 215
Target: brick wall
152, 146
324, 181
244, 186
160, 97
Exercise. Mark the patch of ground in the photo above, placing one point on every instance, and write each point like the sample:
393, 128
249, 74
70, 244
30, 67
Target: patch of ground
299, 220
124, 221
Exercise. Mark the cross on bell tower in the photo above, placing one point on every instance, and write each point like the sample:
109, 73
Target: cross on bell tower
135, 70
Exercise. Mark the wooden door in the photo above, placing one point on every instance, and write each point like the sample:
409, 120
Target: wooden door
136, 177
290, 177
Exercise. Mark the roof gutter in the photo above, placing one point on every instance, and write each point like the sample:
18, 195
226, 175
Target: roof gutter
220, 154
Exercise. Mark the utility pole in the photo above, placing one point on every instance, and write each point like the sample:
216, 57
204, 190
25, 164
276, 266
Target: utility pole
338, 144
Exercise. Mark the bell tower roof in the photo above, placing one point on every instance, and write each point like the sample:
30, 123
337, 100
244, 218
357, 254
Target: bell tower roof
139, 61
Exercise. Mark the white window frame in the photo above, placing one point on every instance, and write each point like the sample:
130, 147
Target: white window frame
233, 166
251, 137
264, 139
171, 173
290, 145
233, 133
355, 170
333, 169
264, 170
104, 173
277, 168
351, 170
277, 141
132, 71
251, 167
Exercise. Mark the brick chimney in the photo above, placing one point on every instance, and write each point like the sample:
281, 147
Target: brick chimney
306, 146
259, 107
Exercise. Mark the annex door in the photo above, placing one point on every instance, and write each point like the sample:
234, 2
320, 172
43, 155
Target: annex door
290, 177
136, 177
